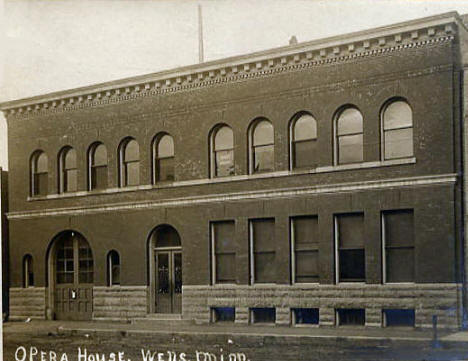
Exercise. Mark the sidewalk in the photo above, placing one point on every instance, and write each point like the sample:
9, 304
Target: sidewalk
223, 330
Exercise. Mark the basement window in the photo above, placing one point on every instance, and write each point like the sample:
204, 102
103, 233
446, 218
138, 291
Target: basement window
305, 316
263, 315
223, 314
399, 317
351, 316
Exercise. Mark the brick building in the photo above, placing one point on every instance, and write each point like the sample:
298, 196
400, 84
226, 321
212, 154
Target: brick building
318, 183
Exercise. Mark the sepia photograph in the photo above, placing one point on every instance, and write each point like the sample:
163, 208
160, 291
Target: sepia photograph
234, 180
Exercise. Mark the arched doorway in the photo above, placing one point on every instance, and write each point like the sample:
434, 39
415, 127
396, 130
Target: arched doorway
165, 270
71, 277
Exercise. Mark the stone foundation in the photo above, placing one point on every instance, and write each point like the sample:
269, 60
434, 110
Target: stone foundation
27, 303
427, 300
119, 303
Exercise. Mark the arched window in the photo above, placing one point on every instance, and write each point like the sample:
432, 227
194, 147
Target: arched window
113, 268
262, 147
68, 170
397, 126
222, 151
97, 160
129, 162
303, 141
39, 174
163, 158
28, 271
349, 136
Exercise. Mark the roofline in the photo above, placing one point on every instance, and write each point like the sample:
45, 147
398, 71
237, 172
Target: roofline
334, 41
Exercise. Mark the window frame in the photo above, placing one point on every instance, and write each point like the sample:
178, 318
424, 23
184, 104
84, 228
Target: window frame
123, 164
336, 137
252, 252
292, 141
110, 268
34, 173
253, 126
384, 247
214, 280
212, 141
63, 170
383, 131
92, 167
28, 269
293, 252
155, 159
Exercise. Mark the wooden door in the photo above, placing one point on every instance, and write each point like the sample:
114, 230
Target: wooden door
168, 281
73, 279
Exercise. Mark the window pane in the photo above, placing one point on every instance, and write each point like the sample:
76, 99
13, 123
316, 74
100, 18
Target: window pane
165, 147
399, 264
224, 163
398, 143
350, 149
265, 267
70, 180
263, 235
351, 230
41, 163
132, 151
349, 122
304, 154
133, 174
99, 177
70, 159
305, 128
40, 184
224, 237
225, 268
166, 236
352, 265
399, 228
305, 230
397, 115
263, 133
264, 158
224, 139
165, 169
100, 155
307, 266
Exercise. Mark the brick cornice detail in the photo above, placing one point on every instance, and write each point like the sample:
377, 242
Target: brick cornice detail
243, 72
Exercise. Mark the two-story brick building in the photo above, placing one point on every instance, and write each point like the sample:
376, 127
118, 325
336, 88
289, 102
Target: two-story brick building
318, 183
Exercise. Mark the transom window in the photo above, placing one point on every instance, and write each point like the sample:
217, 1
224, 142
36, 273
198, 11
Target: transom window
349, 136
39, 174
129, 163
303, 141
98, 166
262, 147
222, 157
163, 158
68, 170
397, 137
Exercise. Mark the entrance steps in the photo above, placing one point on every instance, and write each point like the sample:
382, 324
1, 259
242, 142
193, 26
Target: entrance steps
162, 319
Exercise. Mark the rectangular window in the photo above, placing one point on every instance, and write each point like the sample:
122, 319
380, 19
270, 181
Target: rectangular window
349, 235
224, 252
263, 315
398, 240
304, 153
223, 314
70, 182
224, 163
351, 316
40, 184
264, 158
132, 173
398, 317
305, 316
304, 236
165, 169
262, 249
99, 177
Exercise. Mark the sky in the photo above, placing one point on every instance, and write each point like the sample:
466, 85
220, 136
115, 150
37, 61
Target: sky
50, 45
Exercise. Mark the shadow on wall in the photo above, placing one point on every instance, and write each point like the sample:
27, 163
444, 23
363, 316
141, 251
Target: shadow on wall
3, 143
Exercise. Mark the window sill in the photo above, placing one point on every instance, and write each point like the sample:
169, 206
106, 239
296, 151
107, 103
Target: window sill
237, 178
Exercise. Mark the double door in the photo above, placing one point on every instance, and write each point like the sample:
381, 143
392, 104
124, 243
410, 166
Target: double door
168, 281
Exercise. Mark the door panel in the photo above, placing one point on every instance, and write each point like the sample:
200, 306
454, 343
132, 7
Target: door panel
168, 281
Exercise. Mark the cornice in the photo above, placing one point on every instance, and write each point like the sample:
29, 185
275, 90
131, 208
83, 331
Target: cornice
380, 41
